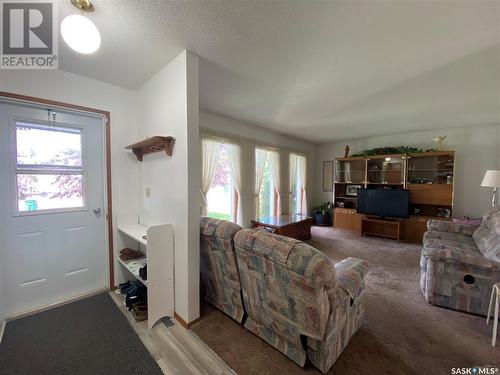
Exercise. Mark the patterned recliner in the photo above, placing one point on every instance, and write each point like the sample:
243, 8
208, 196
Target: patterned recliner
219, 270
460, 263
297, 299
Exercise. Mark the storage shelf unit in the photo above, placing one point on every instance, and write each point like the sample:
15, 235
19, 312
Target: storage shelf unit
133, 267
159, 248
135, 231
429, 177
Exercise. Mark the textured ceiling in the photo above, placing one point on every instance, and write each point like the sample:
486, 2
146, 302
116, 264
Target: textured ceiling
317, 70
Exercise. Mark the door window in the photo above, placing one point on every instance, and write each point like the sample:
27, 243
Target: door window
49, 174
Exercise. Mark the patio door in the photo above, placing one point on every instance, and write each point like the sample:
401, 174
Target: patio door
52, 201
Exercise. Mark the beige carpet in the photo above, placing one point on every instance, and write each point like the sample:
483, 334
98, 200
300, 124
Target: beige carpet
401, 333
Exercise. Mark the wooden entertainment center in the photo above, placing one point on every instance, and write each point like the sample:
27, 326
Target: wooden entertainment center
429, 177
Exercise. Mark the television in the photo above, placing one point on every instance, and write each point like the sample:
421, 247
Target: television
390, 203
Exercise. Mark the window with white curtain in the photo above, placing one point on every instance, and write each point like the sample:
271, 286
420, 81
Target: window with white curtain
220, 179
219, 197
298, 182
266, 182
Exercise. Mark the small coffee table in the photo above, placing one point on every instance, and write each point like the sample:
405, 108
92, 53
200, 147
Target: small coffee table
294, 226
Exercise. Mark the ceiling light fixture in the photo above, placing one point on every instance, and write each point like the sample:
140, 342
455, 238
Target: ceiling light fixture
79, 32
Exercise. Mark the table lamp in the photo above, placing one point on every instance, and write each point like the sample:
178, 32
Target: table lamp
492, 179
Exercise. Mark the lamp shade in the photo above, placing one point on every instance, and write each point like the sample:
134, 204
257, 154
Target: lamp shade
491, 178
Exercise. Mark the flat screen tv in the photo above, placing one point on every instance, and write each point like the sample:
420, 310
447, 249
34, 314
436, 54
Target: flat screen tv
384, 202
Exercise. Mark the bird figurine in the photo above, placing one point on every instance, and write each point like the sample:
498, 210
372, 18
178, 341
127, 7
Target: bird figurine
346, 151
439, 142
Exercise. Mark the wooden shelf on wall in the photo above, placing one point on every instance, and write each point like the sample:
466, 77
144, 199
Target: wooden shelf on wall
152, 145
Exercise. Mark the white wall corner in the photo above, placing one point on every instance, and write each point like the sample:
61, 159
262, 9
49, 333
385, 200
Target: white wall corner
194, 183
169, 105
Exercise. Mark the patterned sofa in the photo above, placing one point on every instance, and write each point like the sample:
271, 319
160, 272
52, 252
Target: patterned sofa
297, 299
219, 271
460, 263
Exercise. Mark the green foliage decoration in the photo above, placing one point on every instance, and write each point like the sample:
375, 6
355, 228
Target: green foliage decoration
324, 208
390, 150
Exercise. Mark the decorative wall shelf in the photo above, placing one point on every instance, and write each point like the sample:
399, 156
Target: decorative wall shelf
152, 145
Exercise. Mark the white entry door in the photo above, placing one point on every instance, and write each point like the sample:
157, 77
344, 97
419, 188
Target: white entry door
52, 206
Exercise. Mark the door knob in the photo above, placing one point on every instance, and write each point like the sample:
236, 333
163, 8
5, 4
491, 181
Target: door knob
97, 211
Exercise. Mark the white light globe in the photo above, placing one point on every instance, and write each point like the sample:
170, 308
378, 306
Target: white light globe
80, 34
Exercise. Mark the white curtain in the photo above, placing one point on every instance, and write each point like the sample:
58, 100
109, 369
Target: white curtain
260, 161
303, 182
234, 156
293, 179
274, 163
209, 154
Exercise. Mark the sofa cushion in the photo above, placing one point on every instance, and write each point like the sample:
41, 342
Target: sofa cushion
488, 242
487, 236
294, 255
492, 220
351, 274
440, 250
219, 270
221, 229
275, 247
452, 240
445, 226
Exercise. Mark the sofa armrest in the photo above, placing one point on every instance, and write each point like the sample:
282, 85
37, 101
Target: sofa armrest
350, 274
450, 227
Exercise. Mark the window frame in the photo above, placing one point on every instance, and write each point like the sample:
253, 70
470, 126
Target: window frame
46, 169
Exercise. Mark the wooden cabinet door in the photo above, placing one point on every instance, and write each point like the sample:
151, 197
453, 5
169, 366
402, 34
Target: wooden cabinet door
415, 229
346, 218
356, 220
431, 194
341, 218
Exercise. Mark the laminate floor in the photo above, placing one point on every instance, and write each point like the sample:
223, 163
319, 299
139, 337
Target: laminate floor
176, 350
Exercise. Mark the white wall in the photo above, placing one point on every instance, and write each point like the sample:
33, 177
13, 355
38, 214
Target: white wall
166, 105
255, 136
121, 103
477, 148
169, 107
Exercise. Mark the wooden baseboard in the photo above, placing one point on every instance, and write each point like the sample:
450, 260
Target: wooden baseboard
54, 305
183, 323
